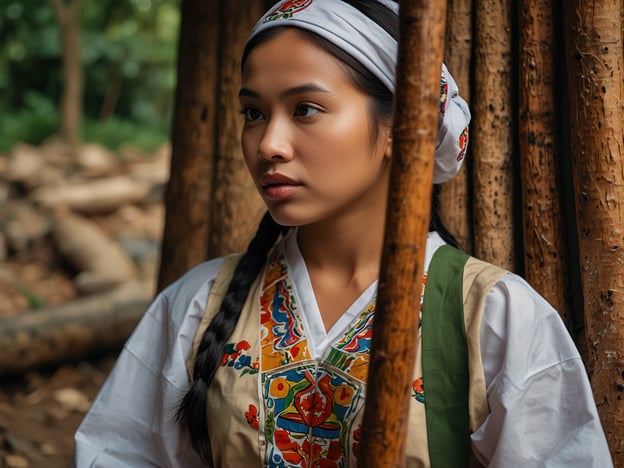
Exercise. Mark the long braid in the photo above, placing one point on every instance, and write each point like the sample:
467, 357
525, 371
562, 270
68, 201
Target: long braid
191, 414
435, 222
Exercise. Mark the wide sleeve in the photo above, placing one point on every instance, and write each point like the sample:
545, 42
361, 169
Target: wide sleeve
542, 412
131, 422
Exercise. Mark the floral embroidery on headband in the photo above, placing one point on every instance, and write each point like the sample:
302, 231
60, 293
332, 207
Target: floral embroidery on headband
463, 144
287, 9
443, 94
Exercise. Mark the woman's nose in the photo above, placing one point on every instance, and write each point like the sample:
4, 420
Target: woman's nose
275, 143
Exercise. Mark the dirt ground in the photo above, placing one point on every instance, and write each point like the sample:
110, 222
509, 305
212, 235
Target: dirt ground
41, 409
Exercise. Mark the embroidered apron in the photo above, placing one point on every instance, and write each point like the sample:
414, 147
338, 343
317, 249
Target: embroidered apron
271, 404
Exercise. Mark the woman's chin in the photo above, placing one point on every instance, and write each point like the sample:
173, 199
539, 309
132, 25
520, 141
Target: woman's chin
287, 217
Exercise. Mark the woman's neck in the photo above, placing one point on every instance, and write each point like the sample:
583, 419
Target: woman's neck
347, 250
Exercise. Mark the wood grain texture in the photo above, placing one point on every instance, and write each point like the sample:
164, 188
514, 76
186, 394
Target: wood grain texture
421, 47
492, 134
236, 206
540, 150
595, 59
456, 194
189, 192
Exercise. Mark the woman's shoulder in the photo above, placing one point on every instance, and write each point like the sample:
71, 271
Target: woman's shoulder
194, 278
189, 293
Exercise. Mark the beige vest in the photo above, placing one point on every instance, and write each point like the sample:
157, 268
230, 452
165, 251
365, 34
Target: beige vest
270, 404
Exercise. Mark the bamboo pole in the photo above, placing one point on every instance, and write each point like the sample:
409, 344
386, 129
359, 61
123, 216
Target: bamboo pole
455, 195
414, 134
540, 149
595, 58
491, 135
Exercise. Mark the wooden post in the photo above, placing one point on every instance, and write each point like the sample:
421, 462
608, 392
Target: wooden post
456, 195
492, 136
393, 349
236, 207
595, 58
540, 149
187, 202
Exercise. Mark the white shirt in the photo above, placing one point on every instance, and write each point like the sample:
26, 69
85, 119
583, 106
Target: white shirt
542, 412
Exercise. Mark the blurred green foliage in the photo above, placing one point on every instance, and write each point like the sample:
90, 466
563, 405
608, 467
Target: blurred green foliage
34, 301
128, 52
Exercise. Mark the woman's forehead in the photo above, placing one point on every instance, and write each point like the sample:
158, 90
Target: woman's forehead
291, 55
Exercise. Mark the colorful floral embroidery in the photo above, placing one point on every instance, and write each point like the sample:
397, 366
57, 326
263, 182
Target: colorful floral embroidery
355, 448
235, 355
443, 94
463, 144
418, 390
287, 9
310, 407
281, 327
351, 353
252, 416
309, 412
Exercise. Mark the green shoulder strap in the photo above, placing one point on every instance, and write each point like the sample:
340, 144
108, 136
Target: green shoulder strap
445, 360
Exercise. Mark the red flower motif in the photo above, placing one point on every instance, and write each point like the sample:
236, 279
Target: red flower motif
243, 345
289, 448
334, 452
252, 416
312, 403
356, 445
314, 406
417, 385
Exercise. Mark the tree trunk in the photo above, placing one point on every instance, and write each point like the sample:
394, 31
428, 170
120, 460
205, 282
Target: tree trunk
492, 140
236, 207
454, 195
400, 284
596, 76
540, 149
189, 193
68, 16
75, 330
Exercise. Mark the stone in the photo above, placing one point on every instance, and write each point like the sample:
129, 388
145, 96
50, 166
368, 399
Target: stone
94, 160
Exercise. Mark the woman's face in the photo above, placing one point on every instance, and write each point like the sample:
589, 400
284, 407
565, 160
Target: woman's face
307, 137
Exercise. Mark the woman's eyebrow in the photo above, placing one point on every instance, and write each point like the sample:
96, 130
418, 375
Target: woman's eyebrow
304, 88
246, 92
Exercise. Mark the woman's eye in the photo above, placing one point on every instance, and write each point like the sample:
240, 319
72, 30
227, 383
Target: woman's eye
305, 110
251, 114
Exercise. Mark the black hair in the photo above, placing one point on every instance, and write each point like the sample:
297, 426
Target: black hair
191, 413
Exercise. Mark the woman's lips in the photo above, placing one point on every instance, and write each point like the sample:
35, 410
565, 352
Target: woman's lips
278, 186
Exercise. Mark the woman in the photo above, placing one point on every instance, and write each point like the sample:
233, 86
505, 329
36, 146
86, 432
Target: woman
276, 342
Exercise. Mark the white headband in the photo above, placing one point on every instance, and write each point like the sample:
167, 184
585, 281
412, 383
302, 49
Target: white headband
352, 31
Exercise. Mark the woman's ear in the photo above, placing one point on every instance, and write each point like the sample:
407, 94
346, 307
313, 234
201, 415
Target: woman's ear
388, 150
